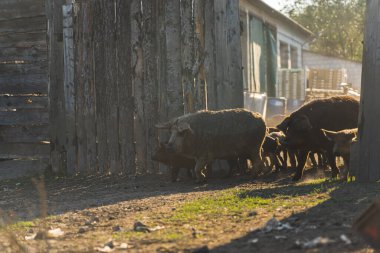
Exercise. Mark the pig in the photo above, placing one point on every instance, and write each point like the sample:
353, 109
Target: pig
173, 161
303, 128
342, 141
208, 135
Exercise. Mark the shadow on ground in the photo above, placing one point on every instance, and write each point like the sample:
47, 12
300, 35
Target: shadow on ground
19, 198
331, 219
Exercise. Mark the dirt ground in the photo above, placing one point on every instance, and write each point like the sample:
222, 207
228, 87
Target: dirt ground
100, 214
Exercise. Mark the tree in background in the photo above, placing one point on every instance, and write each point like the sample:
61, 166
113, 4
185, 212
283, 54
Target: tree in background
337, 24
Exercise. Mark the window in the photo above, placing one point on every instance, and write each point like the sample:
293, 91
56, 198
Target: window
284, 55
294, 57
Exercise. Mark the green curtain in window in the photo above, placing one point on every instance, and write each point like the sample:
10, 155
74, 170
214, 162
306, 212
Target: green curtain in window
258, 54
271, 70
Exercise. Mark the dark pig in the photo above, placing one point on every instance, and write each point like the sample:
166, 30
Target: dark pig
303, 128
209, 135
173, 161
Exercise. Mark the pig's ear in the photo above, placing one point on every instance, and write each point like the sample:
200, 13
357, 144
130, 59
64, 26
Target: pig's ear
184, 127
330, 135
284, 124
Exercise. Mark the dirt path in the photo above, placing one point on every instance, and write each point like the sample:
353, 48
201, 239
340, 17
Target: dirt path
225, 215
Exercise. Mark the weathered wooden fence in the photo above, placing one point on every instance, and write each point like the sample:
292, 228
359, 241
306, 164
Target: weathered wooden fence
24, 118
122, 66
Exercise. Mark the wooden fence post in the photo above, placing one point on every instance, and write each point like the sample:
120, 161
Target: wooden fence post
199, 64
187, 54
369, 123
173, 59
100, 86
69, 89
210, 55
150, 81
124, 81
56, 99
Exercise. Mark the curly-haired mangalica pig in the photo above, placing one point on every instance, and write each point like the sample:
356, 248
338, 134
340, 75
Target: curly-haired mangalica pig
303, 128
342, 145
208, 135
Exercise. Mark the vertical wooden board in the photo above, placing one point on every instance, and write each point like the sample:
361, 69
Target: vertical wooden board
89, 86
161, 61
81, 139
187, 54
150, 82
369, 103
210, 55
100, 86
235, 70
221, 54
56, 94
111, 100
124, 80
138, 85
69, 88
173, 58
199, 44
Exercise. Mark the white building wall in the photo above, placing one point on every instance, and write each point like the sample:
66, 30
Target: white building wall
354, 69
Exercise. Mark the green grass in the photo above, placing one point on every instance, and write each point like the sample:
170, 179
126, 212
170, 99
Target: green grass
238, 202
22, 225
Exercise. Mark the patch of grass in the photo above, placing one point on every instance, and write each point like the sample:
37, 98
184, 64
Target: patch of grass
238, 202
164, 235
22, 225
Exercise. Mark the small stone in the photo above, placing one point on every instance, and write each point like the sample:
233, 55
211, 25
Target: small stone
81, 230
116, 228
253, 213
173, 209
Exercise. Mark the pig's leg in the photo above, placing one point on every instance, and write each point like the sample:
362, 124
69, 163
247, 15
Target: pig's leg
257, 162
302, 157
199, 166
174, 173
292, 158
331, 159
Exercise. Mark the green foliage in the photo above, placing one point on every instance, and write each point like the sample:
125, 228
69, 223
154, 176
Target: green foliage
337, 24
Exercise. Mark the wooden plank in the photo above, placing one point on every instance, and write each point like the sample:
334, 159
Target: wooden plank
234, 77
210, 55
23, 88
25, 69
81, 138
27, 54
200, 75
69, 88
11, 9
89, 86
16, 168
368, 169
27, 79
56, 94
26, 134
23, 102
22, 25
126, 102
112, 88
138, 86
150, 82
24, 117
187, 54
29, 39
173, 58
100, 87
24, 150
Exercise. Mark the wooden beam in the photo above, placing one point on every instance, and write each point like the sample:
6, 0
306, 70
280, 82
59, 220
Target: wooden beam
369, 123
